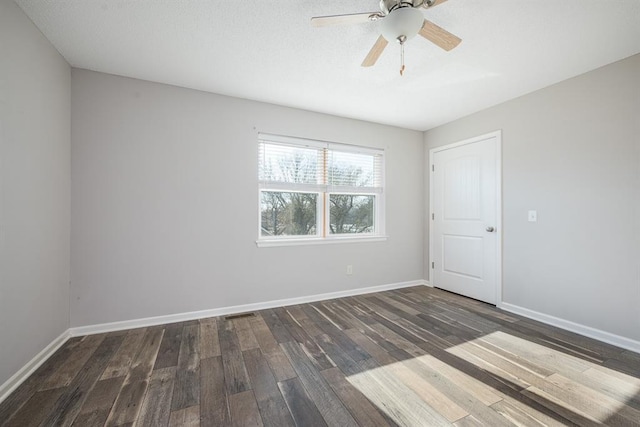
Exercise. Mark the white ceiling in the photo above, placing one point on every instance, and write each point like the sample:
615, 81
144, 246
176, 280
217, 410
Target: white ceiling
267, 50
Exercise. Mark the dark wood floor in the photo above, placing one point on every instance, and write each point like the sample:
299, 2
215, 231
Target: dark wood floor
416, 357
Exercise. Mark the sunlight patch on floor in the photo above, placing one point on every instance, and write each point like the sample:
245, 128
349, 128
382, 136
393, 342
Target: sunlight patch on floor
427, 391
583, 387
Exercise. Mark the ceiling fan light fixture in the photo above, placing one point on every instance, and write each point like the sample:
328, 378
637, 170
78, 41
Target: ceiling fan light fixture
405, 21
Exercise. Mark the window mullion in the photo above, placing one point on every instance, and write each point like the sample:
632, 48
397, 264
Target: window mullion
325, 198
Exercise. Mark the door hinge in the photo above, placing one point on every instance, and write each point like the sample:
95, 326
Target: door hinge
433, 168
433, 216
433, 265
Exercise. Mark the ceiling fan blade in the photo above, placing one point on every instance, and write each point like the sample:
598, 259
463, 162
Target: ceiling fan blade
375, 52
439, 36
354, 18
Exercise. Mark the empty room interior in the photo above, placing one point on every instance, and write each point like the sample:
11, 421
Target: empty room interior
298, 213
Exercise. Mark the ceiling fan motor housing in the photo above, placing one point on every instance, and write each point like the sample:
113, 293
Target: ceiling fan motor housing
386, 6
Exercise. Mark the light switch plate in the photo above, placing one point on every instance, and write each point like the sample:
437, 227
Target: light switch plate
533, 216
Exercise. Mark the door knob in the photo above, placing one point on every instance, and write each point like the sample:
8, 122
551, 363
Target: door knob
490, 229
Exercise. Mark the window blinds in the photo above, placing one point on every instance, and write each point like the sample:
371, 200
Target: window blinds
306, 165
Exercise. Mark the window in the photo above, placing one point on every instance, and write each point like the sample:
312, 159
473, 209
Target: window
318, 191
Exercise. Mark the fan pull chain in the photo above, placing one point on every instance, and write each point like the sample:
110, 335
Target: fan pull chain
401, 59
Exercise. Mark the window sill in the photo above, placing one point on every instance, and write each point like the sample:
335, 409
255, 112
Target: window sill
318, 241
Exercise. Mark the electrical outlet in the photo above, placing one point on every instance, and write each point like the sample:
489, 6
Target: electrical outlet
349, 270
533, 216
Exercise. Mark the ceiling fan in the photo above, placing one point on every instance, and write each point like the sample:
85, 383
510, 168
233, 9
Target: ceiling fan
401, 21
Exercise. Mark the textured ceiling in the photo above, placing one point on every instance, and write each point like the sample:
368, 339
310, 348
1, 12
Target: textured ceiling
268, 51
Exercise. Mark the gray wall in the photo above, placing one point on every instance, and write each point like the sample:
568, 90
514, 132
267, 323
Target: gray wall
572, 152
165, 203
34, 191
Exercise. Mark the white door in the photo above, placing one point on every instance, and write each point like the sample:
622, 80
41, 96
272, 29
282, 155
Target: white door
465, 229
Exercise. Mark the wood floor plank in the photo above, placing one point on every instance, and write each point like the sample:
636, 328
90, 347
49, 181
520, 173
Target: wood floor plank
209, 343
273, 408
399, 305
355, 310
68, 406
496, 365
143, 362
469, 421
350, 319
30, 386
560, 407
428, 393
36, 409
371, 333
170, 346
336, 334
471, 395
397, 400
245, 334
622, 366
611, 384
96, 408
63, 376
370, 346
330, 311
303, 410
186, 391
214, 407
514, 358
244, 410
627, 356
523, 415
341, 359
187, 417
591, 401
440, 327
296, 312
377, 306
619, 374
578, 344
417, 304
424, 333
278, 361
318, 357
263, 334
127, 405
277, 329
464, 316
119, 364
468, 303
329, 405
156, 406
360, 407
406, 343
452, 325
235, 372
280, 365
552, 360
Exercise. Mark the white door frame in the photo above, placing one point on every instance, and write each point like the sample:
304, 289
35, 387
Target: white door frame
498, 135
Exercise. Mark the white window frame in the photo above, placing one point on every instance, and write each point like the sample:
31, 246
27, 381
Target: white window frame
324, 191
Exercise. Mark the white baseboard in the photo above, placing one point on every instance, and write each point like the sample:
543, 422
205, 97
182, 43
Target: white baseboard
12, 383
587, 331
223, 311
